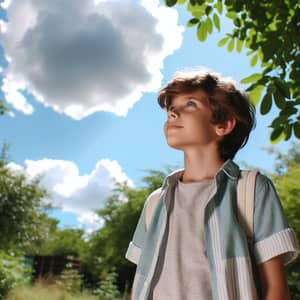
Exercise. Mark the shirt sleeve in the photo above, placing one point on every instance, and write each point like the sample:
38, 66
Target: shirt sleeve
272, 234
136, 245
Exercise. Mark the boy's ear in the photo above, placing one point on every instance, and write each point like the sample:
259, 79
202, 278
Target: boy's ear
226, 127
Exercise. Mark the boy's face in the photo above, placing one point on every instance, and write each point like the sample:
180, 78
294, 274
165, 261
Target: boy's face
188, 121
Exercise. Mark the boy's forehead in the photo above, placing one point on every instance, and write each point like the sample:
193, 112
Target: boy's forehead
198, 95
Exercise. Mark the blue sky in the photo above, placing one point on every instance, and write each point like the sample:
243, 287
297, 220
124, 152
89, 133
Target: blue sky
84, 109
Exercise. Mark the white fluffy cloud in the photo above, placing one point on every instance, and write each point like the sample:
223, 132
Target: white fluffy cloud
72, 192
84, 56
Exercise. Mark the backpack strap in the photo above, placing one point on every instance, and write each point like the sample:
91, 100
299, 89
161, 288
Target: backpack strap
245, 201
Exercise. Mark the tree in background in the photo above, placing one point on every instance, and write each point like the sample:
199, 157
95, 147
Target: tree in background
23, 217
60, 242
23, 221
270, 31
286, 180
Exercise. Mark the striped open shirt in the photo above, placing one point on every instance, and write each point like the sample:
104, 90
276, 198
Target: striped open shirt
232, 261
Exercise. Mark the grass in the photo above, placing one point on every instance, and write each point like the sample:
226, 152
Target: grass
42, 292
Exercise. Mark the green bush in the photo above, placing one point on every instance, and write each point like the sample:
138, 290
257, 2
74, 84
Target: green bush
13, 273
108, 289
70, 280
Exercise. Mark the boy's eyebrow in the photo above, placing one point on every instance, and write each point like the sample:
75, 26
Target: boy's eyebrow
198, 98
187, 97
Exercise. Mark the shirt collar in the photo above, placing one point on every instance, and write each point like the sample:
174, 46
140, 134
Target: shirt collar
229, 168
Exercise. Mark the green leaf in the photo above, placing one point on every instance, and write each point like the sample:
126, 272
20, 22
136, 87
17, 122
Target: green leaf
266, 104
296, 127
219, 6
271, 88
209, 25
237, 22
170, 2
223, 41
230, 45
231, 15
276, 135
197, 11
282, 87
255, 94
248, 53
208, 10
217, 21
180, 2
252, 78
253, 60
279, 100
287, 132
260, 54
192, 22
202, 32
278, 121
239, 45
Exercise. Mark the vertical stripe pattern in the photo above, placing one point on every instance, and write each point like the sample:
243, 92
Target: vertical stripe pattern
230, 286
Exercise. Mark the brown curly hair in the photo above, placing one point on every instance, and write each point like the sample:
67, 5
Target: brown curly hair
225, 101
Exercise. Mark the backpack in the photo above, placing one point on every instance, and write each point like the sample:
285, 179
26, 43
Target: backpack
245, 202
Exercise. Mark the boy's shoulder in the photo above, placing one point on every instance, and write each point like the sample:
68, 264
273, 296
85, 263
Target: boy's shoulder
153, 195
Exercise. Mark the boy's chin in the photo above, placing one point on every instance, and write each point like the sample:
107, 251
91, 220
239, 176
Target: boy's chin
175, 146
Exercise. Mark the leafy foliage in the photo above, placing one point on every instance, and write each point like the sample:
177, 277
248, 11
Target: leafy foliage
270, 32
60, 242
287, 185
108, 289
22, 213
13, 273
70, 280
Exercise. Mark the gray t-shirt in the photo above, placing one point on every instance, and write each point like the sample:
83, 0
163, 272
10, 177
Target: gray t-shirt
182, 271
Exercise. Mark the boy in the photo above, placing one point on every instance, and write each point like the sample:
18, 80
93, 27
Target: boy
194, 247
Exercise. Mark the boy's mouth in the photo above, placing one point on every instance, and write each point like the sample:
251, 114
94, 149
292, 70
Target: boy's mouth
173, 126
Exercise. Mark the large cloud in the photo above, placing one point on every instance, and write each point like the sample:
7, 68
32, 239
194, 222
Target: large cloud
85, 56
72, 192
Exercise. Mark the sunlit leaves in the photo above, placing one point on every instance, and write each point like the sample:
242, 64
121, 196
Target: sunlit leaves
252, 78
223, 41
202, 31
209, 25
270, 33
254, 59
239, 45
217, 21
255, 94
219, 7
230, 45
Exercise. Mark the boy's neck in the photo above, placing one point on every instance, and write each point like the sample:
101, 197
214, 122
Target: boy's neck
199, 166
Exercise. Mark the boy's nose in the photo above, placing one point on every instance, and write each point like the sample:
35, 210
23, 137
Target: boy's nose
172, 114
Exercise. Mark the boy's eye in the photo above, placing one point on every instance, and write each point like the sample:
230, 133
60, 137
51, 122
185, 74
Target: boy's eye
190, 103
